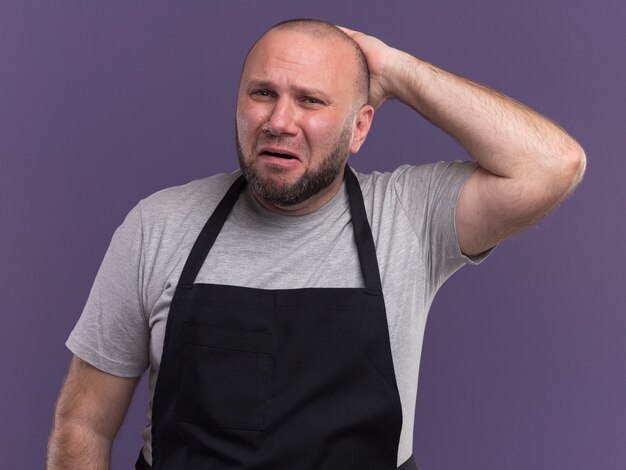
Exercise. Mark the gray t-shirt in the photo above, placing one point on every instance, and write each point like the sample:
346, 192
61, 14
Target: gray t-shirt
411, 212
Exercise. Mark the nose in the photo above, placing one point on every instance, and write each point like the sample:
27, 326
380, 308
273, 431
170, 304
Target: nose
282, 119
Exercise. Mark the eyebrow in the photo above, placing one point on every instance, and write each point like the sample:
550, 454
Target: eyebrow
305, 91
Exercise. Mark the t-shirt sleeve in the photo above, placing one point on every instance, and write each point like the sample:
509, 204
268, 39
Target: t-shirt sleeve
430, 194
112, 333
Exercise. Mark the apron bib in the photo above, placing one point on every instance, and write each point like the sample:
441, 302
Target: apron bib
288, 379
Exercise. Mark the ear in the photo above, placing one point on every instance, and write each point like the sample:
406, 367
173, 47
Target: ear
362, 123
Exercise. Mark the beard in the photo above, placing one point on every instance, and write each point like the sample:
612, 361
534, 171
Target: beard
290, 193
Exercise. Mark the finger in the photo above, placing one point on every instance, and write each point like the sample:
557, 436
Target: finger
349, 32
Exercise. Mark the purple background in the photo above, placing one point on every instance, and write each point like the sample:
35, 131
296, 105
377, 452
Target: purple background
103, 103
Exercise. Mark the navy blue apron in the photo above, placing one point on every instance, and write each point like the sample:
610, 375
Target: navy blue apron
287, 379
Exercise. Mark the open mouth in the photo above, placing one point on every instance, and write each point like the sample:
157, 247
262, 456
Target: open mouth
279, 155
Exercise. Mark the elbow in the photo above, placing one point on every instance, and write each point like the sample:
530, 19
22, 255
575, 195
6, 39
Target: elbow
575, 163
560, 177
564, 171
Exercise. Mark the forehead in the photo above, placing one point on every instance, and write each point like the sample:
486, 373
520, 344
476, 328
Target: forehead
294, 57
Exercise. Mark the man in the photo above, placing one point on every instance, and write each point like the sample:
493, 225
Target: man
285, 332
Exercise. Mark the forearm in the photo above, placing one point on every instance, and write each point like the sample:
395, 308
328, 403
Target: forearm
88, 415
73, 447
505, 137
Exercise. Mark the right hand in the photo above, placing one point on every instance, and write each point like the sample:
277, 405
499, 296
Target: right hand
380, 58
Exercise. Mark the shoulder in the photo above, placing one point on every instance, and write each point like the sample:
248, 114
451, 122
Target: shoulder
173, 213
416, 178
181, 206
199, 193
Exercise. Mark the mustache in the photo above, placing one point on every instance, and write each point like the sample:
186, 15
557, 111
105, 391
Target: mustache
286, 143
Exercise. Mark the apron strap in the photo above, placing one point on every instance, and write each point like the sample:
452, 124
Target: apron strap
363, 234
209, 234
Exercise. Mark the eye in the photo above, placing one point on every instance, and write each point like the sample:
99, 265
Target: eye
311, 101
262, 95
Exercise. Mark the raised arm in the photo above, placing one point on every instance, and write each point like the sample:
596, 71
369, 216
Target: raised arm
528, 164
89, 413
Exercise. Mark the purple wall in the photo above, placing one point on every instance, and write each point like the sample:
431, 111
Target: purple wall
103, 103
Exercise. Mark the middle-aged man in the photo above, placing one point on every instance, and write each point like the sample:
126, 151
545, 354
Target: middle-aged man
269, 342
